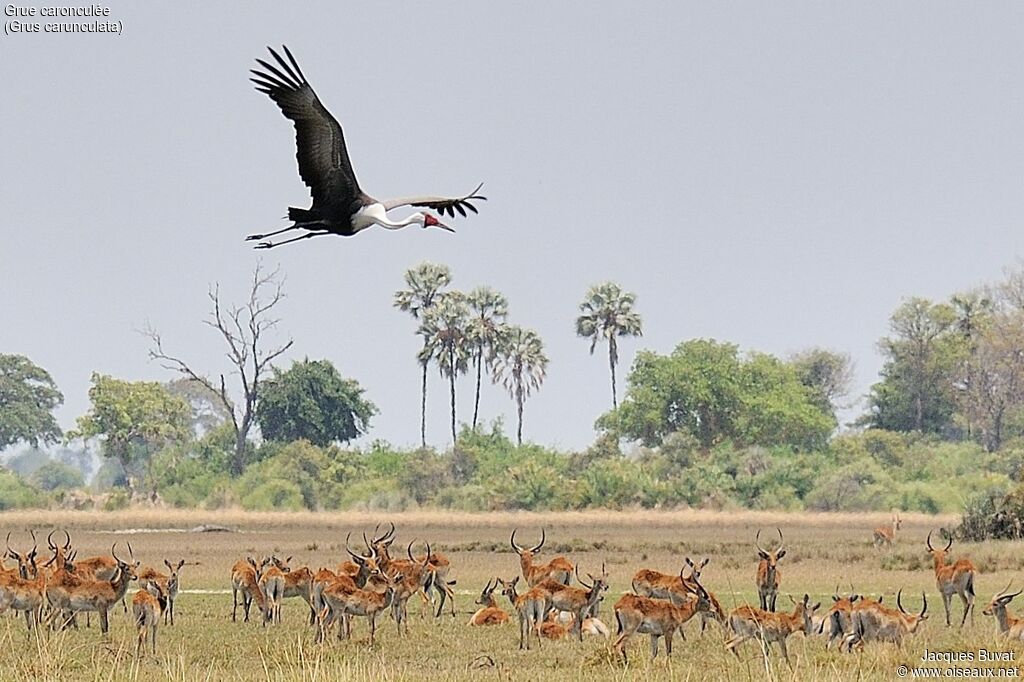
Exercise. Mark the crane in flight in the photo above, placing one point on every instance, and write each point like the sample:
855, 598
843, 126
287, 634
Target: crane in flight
339, 206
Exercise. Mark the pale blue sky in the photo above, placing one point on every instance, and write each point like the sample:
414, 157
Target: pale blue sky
779, 175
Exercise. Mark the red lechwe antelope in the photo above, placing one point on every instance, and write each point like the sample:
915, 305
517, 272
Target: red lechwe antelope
272, 583
72, 594
245, 580
530, 607
656, 617
578, 602
558, 569
956, 578
164, 583
341, 600
678, 588
1010, 627
24, 589
748, 622
488, 613
768, 574
874, 622
147, 605
885, 535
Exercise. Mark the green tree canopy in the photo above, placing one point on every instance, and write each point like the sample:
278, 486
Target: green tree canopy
706, 389
134, 419
606, 313
28, 397
312, 401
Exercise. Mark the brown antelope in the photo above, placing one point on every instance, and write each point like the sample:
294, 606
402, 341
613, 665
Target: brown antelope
341, 601
837, 621
768, 574
146, 608
592, 626
655, 617
75, 594
1010, 627
440, 567
380, 548
678, 588
245, 580
530, 607
298, 582
716, 613
558, 569
873, 622
167, 583
272, 583
488, 613
885, 535
769, 627
957, 578
578, 602
412, 578
552, 627
26, 592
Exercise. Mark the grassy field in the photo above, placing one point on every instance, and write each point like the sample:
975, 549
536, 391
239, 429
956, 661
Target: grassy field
823, 550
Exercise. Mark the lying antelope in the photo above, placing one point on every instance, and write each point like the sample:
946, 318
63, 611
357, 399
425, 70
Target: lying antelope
885, 535
1010, 627
147, 605
768, 574
488, 613
558, 569
871, 621
771, 628
957, 578
655, 617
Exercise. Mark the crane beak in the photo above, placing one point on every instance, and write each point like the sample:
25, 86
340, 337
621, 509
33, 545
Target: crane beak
445, 227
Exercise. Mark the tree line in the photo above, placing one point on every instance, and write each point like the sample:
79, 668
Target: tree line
696, 426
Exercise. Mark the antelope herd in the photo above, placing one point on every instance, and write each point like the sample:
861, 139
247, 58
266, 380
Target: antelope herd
540, 597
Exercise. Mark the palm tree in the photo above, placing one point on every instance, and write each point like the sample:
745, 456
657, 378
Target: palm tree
606, 313
445, 341
520, 366
425, 282
488, 311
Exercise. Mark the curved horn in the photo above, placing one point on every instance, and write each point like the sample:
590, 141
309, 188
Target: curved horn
408, 551
899, 603
582, 582
49, 540
782, 543
114, 555
389, 535
357, 557
67, 536
928, 542
517, 548
757, 542
426, 559
950, 543
543, 537
35, 543
9, 551
924, 609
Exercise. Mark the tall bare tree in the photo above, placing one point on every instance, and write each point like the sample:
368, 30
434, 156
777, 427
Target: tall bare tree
244, 329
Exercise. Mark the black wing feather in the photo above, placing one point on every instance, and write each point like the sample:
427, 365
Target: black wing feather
323, 158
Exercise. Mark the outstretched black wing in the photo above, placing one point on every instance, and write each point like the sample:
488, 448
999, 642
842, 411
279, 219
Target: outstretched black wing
443, 205
323, 159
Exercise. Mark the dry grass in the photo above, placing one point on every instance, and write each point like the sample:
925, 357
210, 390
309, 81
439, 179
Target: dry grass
824, 549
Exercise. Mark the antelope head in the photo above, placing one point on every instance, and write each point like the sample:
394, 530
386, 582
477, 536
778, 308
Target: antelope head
125, 568
172, 579
695, 569
806, 612
527, 554
367, 564
913, 622
1000, 600
380, 544
598, 584
508, 588
487, 596
772, 558
938, 555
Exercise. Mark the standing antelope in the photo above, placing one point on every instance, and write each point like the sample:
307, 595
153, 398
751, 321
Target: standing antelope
578, 602
245, 579
24, 589
748, 622
885, 535
678, 588
412, 577
147, 606
530, 607
76, 594
342, 601
488, 613
873, 622
272, 584
768, 574
955, 578
164, 583
655, 617
298, 582
837, 621
558, 569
